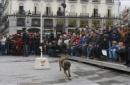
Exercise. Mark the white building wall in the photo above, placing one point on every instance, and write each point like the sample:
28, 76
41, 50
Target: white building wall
13, 8
29, 5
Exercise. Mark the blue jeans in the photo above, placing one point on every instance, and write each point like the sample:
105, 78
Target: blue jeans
113, 54
89, 51
84, 50
3, 49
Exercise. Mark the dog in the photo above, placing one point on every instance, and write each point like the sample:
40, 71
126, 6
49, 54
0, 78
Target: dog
65, 65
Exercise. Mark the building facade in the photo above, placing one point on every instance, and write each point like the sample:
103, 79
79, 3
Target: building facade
61, 15
3, 16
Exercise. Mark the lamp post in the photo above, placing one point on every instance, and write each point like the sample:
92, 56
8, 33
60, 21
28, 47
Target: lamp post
42, 62
41, 30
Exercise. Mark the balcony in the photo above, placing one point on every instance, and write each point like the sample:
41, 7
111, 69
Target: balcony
96, 15
109, 1
36, 13
21, 12
60, 0
82, 1
84, 14
73, 1
48, 0
73, 14
48, 14
111, 16
96, 1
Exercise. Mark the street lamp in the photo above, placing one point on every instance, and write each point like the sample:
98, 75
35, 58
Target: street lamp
42, 62
41, 31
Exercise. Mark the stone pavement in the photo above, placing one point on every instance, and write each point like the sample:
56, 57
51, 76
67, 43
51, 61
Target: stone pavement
18, 70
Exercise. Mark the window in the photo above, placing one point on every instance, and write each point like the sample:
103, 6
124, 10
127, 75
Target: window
109, 14
48, 10
48, 23
72, 8
21, 10
95, 12
36, 7
36, 22
83, 8
83, 23
35, 10
20, 21
72, 23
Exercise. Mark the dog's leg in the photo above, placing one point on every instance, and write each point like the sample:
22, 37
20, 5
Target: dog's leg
60, 65
69, 72
67, 75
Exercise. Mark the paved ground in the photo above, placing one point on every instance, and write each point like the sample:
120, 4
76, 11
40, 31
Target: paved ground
15, 70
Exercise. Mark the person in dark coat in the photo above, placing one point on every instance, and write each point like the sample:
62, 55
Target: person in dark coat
127, 44
25, 38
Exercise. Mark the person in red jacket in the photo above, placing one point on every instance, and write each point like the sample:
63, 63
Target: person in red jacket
19, 45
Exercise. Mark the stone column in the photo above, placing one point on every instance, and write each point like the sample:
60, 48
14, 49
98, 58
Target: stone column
54, 26
78, 22
90, 23
66, 24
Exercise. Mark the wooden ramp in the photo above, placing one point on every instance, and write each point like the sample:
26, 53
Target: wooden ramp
110, 65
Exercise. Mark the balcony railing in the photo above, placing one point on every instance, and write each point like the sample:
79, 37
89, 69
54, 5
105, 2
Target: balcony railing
96, 15
48, 14
84, 14
60, 0
109, 1
84, 0
96, 1
73, 14
70, 15
48, 0
36, 13
21, 12
72, 0
28, 13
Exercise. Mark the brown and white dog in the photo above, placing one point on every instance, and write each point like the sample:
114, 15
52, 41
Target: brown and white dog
65, 65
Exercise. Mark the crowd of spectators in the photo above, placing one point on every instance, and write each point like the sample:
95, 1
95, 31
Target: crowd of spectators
88, 43
20, 44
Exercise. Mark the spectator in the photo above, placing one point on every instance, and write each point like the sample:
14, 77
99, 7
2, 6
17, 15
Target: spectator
113, 51
127, 44
3, 45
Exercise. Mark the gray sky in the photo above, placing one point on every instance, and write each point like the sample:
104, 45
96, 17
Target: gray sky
125, 3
